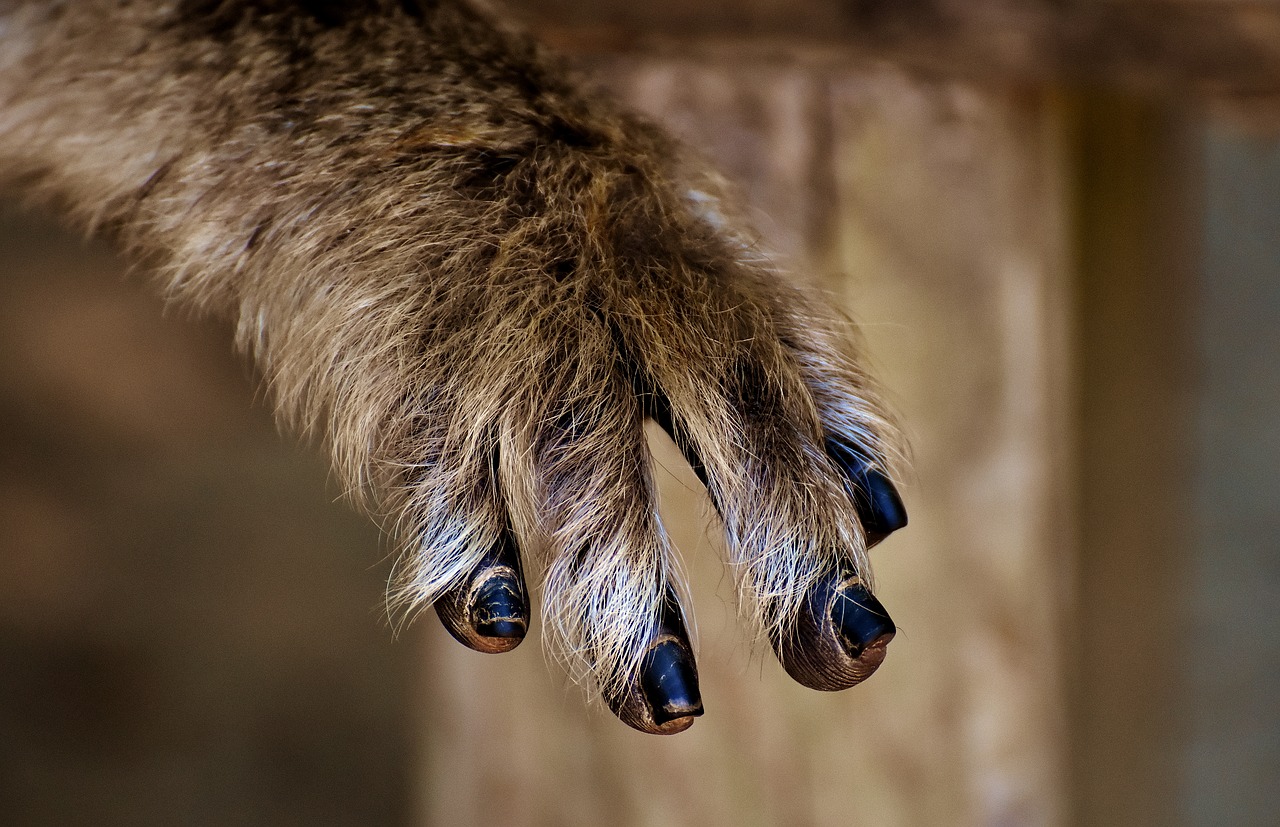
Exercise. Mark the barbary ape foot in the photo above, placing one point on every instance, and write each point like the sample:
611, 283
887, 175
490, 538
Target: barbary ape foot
473, 282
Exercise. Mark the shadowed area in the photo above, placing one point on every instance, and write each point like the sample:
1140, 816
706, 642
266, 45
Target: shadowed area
190, 625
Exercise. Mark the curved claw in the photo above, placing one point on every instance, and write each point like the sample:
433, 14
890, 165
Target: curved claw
880, 508
840, 638
663, 698
490, 611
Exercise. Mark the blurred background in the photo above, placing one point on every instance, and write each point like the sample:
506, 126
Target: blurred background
1059, 225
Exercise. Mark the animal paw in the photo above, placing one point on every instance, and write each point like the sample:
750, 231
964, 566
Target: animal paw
606, 296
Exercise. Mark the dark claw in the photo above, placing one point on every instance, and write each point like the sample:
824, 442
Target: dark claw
664, 698
499, 608
880, 509
490, 611
840, 638
860, 621
670, 682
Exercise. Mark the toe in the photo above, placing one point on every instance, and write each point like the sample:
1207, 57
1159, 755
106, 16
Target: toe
840, 637
663, 698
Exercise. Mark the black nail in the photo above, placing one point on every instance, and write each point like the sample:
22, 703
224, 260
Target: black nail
860, 620
880, 508
489, 611
663, 697
499, 609
670, 682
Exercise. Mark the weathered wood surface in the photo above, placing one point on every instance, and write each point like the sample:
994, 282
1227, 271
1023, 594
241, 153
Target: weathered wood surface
934, 213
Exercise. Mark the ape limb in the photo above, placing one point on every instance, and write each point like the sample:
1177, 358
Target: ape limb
473, 282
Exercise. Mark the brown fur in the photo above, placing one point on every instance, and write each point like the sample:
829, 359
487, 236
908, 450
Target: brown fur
465, 275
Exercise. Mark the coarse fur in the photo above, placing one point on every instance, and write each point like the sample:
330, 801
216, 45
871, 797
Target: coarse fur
469, 278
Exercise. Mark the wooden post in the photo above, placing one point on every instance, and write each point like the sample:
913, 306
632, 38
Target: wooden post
1137, 258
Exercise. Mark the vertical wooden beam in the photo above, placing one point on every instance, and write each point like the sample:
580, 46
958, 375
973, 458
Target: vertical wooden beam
1136, 259
1233, 697
956, 256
